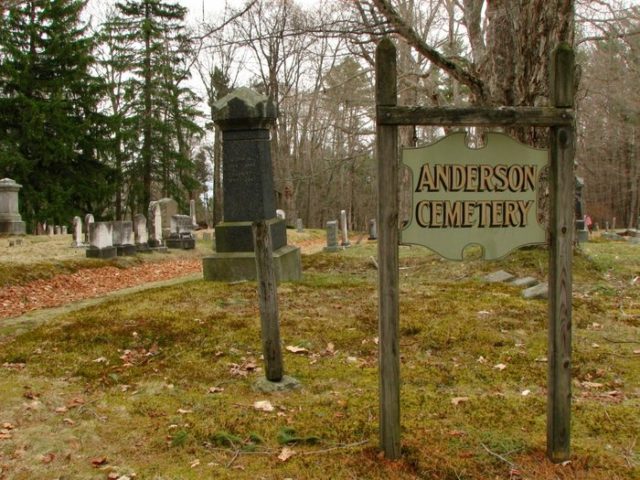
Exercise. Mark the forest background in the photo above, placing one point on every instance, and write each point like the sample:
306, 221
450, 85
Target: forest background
103, 109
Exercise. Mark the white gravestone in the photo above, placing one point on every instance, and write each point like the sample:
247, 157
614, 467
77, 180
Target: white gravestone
101, 235
343, 227
140, 233
77, 232
88, 220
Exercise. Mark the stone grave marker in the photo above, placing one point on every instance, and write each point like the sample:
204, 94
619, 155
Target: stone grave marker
77, 232
373, 229
168, 208
64, 230
101, 240
192, 212
245, 118
181, 234
281, 214
88, 220
56, 230
344, 229
50, 230
299, 226
10, 220
123, 239
155, 225
140, 233
332, 236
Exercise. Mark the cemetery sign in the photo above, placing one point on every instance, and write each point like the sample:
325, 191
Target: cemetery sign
464, 196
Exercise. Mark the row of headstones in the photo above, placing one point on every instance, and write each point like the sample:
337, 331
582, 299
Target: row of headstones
332, 233
116, 238
532, 288
46, 229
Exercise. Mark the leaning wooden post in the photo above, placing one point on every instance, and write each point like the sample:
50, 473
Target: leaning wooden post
268, 299
388, 307
561, 223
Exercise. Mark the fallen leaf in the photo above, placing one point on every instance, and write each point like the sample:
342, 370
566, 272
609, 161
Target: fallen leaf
183, 411
263, 405
75, 402
481, 359
98, 461
215, 390
195, 463
500, 366
525, 393
457, 433
68, 421
352, 359
292, 349
636, 352
8, 426
459, 400
100, 360
61, 410
595, 345
48, 457
286, 454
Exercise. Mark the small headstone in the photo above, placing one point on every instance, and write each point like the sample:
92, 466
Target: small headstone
207, 237
40, 229
524, 282
373, 229
344, 229
299, 226
77, 232
56, 230
181, 235
10, 220
168, 208
123, 239
101, 240
140, 233
88, 220
332, 236
64, 230
537, 291
280, 214
50, 230
155, 226
606, 226
499, 276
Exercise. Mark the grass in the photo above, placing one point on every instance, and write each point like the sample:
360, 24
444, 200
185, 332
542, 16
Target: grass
161, 383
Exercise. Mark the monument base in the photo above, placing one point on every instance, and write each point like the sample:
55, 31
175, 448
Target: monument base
143, 248
238, 236
126, 250
106, 252
237, 266
184, 243
12, 228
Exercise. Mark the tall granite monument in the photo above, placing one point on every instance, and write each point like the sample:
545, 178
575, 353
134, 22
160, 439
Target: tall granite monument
10, 220
245, 117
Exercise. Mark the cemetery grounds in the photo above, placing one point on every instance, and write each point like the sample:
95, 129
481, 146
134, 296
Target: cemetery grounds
158, 383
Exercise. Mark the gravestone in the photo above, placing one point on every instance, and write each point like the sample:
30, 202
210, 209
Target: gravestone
192, 212
181, 233
332, 236
64, 230
155, 225
50, 230
123, 240
281, 214
168, 208
299, 226
140, 233
40, 229
245, 118
373, 229
101, 240
88, 220
56, 230
10, 220
77, 232
344, 229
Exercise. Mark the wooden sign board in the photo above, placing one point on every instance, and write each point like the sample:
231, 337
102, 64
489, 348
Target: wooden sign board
464, 196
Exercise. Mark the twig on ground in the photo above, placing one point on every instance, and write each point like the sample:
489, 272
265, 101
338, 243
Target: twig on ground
612, 340
497, 455
337, 447
375, 264
235, 456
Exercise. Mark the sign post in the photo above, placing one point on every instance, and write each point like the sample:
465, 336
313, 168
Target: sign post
486, 197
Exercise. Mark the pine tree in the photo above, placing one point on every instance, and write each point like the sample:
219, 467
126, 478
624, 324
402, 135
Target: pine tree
50, 128
151, 46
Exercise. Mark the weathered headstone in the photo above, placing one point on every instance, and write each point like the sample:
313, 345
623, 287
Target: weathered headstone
373, 229
281, 214
344, 229
168, 208
181, 235
332, 236
140, 233
64, 230
498, 276
123, 239
299, 226
155, 225
192, 212
524, 282
77, 232
10, 220
88, 220
101, 240
40, 229
57, 230
245, 118
537, 291
50, 230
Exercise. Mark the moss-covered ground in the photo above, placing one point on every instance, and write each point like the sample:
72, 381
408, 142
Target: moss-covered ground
160, 383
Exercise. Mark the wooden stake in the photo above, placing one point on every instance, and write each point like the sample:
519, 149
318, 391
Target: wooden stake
388, 238
561, 224
268, 298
